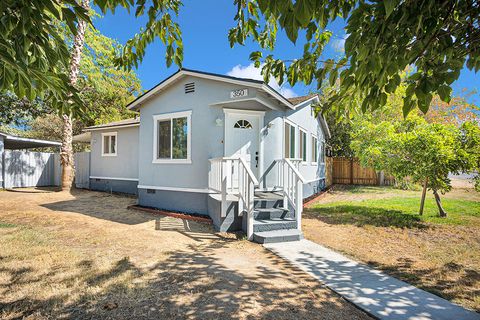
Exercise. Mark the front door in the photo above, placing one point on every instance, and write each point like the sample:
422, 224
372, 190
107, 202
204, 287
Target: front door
242, 137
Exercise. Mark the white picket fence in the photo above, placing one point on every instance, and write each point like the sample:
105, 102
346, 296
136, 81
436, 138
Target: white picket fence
31, 169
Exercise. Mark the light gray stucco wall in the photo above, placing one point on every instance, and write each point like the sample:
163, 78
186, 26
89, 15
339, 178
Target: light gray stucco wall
124, 164
207, 138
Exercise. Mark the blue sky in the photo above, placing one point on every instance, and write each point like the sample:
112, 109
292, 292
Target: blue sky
205, 25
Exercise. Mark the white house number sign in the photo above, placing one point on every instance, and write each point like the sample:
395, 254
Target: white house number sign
238, 93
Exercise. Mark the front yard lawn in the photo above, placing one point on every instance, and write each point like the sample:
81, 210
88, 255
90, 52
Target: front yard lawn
85, 256
381, 227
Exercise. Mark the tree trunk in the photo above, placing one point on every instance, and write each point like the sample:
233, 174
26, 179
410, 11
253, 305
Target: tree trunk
441, 211
424, 193
66, 152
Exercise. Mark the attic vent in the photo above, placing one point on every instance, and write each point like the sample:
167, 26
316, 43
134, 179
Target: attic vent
190, 87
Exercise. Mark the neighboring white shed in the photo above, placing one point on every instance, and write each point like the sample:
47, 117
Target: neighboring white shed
22, 168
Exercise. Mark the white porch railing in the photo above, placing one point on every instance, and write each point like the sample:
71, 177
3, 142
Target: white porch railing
232, 175
291, 181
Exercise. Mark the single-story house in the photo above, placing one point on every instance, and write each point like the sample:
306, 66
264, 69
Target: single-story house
230, 148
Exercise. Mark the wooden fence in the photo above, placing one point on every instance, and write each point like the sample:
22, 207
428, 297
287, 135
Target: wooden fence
350, 171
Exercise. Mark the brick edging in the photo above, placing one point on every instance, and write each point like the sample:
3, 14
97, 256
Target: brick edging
171, 214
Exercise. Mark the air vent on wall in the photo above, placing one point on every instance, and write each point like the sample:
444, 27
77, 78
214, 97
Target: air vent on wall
190, 87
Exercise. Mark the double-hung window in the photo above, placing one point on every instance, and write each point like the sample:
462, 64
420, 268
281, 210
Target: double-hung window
172, 137
289, 141
109, 144
322, 152
314, 150
303, 145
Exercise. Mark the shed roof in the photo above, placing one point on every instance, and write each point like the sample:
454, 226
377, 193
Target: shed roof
16, 142
297, 100
120, 123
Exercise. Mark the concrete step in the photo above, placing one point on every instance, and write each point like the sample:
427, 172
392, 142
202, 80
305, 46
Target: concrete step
268, 200
271, 213
276, 236
274, 224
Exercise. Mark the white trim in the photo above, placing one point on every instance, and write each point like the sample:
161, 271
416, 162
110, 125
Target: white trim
311, 155
293, 124
180, 189
181, 73
247, 112
112, 127
109, 134
300, 130
113, 178
313, 180
169, 116
255, 99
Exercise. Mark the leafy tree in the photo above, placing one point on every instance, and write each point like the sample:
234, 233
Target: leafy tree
19, 111
437, 38
35, 59
104, 90
425, 152
455, 112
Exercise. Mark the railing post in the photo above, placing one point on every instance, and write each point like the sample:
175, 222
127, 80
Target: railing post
224, 175
299, 203
250, 205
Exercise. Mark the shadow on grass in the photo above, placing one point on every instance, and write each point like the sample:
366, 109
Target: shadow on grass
363, 216
461, 282
191, 284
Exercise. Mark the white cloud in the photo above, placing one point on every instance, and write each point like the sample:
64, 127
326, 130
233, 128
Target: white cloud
338, 45
250, 72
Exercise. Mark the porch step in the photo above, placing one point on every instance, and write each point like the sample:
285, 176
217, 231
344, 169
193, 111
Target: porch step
274, 224
271, 213
276, 236
268, 200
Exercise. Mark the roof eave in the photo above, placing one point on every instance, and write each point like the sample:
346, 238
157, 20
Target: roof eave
134, 105
118, 126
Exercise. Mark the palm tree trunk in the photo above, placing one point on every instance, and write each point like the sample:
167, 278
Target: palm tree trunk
441, 211
66, 152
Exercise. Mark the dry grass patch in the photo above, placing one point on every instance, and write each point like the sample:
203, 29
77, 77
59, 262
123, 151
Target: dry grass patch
83, 255
381, 227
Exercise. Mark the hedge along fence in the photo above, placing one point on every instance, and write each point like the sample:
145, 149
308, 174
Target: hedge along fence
350, 171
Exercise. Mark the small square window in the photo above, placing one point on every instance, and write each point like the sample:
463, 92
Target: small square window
109, 144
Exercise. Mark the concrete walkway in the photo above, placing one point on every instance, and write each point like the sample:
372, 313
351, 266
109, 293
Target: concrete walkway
378, 294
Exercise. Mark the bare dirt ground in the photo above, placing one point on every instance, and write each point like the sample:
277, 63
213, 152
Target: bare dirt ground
83, 255
442, 259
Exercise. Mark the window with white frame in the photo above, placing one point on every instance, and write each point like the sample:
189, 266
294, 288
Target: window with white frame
109, 144
172, 135
314, 149
322, 152
303, 145
289, 140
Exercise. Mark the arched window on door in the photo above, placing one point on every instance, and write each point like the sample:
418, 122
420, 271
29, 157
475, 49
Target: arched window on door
243, 124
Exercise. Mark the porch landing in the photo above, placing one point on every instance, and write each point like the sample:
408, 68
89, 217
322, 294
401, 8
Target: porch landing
382, 296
